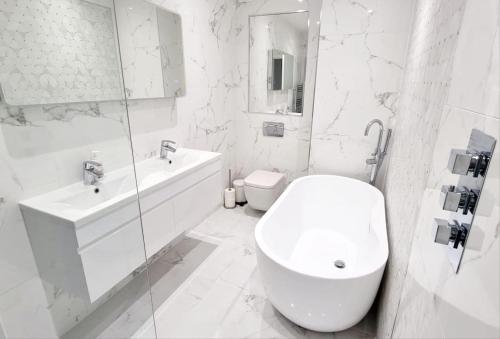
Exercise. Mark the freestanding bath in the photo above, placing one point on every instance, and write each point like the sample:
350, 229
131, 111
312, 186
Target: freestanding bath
322, 249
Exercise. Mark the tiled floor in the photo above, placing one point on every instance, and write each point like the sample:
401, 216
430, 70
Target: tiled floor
205, 286
212, 287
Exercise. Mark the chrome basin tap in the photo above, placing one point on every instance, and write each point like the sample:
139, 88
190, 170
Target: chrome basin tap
167, 146
93, 172
377, 157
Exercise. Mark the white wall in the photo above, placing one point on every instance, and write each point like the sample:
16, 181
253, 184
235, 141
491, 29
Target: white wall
140, 54
252, 150
361, 61
42, 147
72, 52
427, 78
453, 86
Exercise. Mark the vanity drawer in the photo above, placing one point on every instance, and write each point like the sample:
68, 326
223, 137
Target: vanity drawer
159, 229
194, 204
112, 258
111, 222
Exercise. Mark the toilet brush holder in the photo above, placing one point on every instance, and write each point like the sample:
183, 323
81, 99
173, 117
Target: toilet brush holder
229, 198
230, 195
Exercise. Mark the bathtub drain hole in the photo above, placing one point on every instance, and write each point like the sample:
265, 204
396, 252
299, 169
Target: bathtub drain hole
339, 263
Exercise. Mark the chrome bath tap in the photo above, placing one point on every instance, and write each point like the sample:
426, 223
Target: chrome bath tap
167, 146
377, 157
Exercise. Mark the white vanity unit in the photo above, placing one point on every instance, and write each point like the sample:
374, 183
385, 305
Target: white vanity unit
87, 239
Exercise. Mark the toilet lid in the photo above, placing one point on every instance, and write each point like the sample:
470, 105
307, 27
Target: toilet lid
264, 179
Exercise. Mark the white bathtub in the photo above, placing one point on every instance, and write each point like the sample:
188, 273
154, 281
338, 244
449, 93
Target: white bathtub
318, 220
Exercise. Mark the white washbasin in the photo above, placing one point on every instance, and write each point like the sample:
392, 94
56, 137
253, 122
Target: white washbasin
89, 239
79, 203
88, 197
153, 171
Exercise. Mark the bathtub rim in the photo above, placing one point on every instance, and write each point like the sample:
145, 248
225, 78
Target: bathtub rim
268, 252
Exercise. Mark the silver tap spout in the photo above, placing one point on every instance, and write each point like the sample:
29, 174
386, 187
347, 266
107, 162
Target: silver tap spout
380, 133
93, 172
167, 146
377, 157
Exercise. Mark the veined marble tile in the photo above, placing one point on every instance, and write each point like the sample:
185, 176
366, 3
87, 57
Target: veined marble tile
361, 61
42, 149
252, 150
477, 88
429, 66
436, 301
140, 49
223, 296
72, 56
21, 301
2, 334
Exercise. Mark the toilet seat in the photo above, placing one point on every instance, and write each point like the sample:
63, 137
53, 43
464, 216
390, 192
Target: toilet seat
264, 179
262, 188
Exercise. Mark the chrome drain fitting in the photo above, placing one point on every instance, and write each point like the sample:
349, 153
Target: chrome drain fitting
339, 263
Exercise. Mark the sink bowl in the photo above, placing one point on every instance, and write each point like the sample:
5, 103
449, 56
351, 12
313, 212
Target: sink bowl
91, 196
156, 170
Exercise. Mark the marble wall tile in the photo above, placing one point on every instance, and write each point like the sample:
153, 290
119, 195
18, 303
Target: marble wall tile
202, 118
361, 61
26, 300
172, 53
29, 168
2, 334
42, 147
477, 88
211, 116
428, 69
466, 304
287, 155
72, 56
140, 54
252, 150
444, 97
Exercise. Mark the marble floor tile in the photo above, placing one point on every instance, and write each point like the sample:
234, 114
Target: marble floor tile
223, 296
205, 286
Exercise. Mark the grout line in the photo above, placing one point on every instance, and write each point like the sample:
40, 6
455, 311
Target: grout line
484, 115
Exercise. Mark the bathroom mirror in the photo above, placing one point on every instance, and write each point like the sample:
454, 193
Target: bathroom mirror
151, 50
279, 46
66, 51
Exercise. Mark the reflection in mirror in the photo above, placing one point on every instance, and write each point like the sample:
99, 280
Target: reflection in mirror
151, 50
66, 51
58, 51
280, 70
277, 62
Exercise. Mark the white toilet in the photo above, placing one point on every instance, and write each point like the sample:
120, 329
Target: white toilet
262, 188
